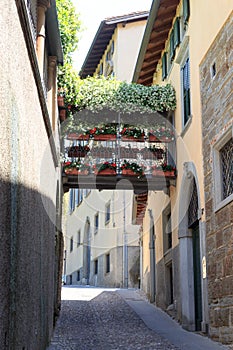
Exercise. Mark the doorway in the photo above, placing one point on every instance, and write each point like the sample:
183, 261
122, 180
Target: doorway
197, 276
193, 225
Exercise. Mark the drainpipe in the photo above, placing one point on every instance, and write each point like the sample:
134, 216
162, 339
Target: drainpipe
152, 258
40, 41
125, 247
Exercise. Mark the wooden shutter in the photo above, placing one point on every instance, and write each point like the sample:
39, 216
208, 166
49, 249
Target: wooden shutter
172, 48
164, 66
186, 90
186, 10
177, 32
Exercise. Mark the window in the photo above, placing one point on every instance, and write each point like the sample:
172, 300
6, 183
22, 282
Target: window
172, 46
78, 238
101, 69
96, 267
186, 10
177, 32
174, 38
223, 170
167, 228
72, 200
96, 223
169, 284
32, 10
164, 66
107, 213
78, 275
71, 244
185, 75
226, 161
107, 263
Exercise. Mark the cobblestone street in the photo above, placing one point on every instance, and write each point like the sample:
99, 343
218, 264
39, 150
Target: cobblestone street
104, 322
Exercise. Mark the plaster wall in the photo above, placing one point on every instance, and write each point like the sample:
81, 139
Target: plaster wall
109, 237
28, 180
127, 49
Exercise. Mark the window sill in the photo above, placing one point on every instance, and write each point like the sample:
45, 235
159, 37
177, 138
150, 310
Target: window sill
223, 203
186, 126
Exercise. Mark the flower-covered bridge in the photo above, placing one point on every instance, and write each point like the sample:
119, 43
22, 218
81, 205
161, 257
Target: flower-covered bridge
121, 141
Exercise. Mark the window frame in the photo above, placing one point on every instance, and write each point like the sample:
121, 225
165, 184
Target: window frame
78, 238
78, 276
96, 223
219, 202
96, 266
165, 214
107, 263
164, 66
181, 60
71, 244
107, 213
186, 10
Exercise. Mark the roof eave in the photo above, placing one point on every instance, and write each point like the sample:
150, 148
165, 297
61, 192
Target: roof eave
53, 33
145, 40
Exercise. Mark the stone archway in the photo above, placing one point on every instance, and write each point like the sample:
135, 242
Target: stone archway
193, 287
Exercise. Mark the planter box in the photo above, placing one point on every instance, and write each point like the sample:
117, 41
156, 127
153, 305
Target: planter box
74, 136
74, 171
62, 114
131, 138
105, 137
77, 154
153, 138
164, 173
60, 101
129, 172
106, 171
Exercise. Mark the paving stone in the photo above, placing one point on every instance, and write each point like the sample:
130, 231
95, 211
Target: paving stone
106, 322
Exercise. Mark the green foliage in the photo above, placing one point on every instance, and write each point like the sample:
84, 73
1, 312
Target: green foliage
69, 25
97, 93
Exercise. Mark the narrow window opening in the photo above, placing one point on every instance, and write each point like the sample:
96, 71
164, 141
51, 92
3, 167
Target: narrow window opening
213, 70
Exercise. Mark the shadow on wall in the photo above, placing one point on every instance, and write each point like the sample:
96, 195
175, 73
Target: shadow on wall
30, 267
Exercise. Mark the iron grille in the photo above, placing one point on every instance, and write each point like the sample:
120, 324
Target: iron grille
226, 156
193, 206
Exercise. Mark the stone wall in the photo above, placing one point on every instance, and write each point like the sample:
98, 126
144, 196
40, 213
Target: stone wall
163, 291
28, 185
217, 101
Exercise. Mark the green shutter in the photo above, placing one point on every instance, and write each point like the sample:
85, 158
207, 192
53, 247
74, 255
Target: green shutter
164, 66
172, 47
176, 32
186, 10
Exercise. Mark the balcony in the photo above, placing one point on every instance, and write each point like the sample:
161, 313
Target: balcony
120, 156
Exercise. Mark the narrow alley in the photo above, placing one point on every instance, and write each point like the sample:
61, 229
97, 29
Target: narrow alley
100, 318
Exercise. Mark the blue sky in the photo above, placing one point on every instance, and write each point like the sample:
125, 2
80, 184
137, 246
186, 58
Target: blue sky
92, 12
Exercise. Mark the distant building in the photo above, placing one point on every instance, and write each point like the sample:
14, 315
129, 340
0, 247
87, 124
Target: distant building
102, 232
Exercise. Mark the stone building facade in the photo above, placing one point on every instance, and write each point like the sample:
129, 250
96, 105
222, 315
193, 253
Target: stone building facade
31, 241
193, 272
216, 72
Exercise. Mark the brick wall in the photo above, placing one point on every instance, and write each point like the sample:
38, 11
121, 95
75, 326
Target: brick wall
217, 101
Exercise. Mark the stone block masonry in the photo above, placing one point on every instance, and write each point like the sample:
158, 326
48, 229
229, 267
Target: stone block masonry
216, 71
